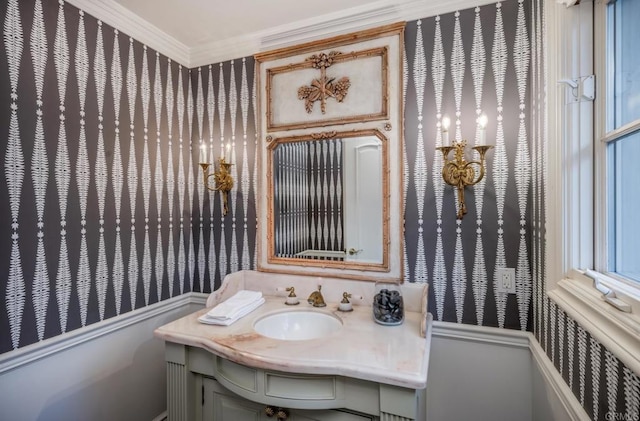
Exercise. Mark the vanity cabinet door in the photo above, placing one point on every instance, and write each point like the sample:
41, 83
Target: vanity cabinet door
221, 405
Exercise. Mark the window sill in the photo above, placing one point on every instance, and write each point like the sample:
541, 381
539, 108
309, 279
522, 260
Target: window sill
617, 331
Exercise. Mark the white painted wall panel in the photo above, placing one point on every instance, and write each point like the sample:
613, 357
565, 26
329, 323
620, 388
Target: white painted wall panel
470, 380
119, 376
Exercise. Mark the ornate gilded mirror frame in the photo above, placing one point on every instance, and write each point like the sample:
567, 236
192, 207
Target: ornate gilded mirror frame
347, 87
346, 137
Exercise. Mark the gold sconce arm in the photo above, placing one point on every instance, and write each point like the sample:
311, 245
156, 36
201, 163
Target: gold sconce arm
223, 182
459, 173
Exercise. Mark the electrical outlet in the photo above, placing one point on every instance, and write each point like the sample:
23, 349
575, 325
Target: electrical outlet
506, 280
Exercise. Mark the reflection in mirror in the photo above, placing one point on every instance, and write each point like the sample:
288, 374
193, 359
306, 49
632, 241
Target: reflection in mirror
327, 199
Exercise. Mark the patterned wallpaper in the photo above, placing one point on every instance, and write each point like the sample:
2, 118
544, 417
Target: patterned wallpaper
600, 381
100, 211
490, 60
103, 211
463, 65
224, 120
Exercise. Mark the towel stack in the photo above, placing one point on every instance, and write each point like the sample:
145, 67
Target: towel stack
227, 312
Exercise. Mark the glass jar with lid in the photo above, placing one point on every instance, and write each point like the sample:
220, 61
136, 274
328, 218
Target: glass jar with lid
388, 305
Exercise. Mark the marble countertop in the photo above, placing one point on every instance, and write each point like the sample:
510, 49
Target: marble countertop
362, 349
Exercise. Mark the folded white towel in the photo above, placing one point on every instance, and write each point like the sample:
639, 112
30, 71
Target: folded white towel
230, 308
239, 305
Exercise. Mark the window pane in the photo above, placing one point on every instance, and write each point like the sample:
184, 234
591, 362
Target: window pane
625, 38
625, 200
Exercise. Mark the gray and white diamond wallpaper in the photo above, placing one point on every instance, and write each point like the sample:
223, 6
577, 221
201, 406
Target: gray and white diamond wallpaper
103, 211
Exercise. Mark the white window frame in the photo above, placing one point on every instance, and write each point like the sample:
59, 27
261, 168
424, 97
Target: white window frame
575, 208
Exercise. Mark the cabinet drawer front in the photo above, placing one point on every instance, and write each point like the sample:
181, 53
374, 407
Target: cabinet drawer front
301, 387
238, 375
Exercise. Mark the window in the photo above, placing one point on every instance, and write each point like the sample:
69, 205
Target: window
593, 187
621, 137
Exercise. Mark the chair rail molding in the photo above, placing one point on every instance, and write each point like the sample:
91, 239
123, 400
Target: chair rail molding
28, 354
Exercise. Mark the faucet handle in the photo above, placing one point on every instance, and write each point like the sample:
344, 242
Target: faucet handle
292, 298
345, 305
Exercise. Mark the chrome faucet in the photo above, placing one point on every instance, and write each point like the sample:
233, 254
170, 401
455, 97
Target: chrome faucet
316, 299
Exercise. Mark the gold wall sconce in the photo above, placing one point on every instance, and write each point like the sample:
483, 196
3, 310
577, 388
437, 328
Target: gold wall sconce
458, 172
222, 180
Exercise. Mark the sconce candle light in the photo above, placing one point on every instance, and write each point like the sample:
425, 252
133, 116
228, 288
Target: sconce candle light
445, 131
459, 172
223, 182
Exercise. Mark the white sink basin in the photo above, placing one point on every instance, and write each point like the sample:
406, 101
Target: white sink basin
297, 325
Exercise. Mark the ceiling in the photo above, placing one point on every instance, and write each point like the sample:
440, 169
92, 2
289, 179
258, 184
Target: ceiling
199, 32
198, 22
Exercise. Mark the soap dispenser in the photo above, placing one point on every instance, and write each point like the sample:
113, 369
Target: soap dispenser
345, 305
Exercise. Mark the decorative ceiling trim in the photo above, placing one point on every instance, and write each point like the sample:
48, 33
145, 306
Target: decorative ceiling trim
332, 24
338, 23
307, 30
223, 50
324, 26
127, 22
415, 9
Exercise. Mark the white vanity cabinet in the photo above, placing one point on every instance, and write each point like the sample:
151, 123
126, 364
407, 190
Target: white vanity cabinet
362, 370
203, 386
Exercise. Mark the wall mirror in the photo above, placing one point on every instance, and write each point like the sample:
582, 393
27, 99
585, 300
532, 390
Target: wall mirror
327, 200
330, 182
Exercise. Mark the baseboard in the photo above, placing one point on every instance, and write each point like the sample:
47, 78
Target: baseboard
28, 354
161, 417
519, 339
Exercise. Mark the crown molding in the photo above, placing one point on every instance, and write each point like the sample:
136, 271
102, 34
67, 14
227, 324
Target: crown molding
127, 22
418, 9
319, 27
223, 50
325, 26
328, 25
